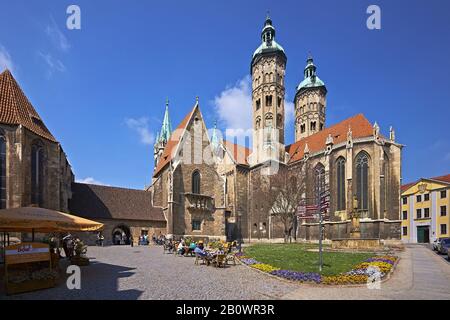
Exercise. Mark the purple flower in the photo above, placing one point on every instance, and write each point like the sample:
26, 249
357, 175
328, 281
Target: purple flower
249, 261
298, 276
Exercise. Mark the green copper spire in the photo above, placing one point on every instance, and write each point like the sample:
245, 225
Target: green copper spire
311, 80
269, 45
166, 129
157, 137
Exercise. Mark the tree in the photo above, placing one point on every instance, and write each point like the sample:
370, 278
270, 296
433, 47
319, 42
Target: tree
286, 191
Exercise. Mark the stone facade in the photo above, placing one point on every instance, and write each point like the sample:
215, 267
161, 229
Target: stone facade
56, 176
172, 189
34, 171
136, 228
354, 160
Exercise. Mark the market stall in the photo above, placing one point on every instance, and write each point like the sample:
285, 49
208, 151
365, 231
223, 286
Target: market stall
28, 266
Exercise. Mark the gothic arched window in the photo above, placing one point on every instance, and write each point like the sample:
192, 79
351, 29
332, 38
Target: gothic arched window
37, 174
196, 182
340, 179
319, 182
2, 172
362, 180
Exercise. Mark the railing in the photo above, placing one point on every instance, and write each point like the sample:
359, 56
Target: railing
200, 202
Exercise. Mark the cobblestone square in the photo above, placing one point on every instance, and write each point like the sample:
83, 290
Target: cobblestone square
131, 273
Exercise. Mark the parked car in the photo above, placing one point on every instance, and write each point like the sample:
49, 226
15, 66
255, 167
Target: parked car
436, 243
444, 246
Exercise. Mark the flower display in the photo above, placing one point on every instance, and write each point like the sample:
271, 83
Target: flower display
387, 259
249, 261
378, 265
344, 279
383, 267
264, 267
298, 276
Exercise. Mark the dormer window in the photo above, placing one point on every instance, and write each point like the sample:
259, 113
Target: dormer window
37, 121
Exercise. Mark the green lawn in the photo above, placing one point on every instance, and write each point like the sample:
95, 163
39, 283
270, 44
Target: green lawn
296, 257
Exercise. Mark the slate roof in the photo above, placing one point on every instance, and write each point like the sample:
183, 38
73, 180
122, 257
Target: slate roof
16, 109
104, 202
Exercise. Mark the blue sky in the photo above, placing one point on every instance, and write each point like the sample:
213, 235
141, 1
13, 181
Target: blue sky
101, 90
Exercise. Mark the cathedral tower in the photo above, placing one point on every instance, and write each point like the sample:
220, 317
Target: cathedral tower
310, 103
163, 136
268, 71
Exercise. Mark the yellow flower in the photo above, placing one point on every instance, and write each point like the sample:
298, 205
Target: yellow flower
264, 267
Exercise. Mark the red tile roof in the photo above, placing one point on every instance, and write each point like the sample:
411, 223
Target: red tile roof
173, 143
238, 152
358, 124
407, 186
445, 179
16, 109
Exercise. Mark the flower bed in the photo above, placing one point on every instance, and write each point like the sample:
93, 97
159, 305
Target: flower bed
264, 267
373, 268
249, 261
297, 276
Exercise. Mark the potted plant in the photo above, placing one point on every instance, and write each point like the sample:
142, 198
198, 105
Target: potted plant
80, 250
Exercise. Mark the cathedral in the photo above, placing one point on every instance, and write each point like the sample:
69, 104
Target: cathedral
210, 187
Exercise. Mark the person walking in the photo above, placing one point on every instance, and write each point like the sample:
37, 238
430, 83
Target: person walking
131, 241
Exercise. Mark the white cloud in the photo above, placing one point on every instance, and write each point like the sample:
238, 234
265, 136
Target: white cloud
5, 60
140, 125
56, 36
234, 108
53, 64
289, 112
90, 180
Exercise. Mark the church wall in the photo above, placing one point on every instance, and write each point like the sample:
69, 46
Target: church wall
374, 228
208, 206
57, 173
242, 201
135, 226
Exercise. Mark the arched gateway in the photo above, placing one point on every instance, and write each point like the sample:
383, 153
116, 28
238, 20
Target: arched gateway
121, 235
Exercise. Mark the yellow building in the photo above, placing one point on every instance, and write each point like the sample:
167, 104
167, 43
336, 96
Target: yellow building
425, 208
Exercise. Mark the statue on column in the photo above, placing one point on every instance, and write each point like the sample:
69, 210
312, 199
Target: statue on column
355, 232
